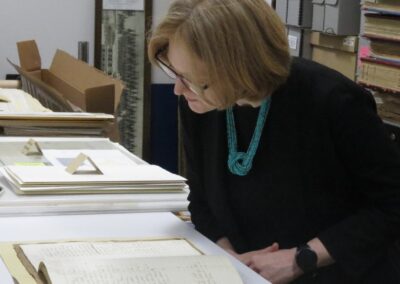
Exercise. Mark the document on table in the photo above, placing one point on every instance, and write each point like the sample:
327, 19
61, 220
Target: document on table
170, 261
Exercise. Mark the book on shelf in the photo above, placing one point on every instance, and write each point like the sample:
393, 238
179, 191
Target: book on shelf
382, 26
389, 102
388, 106
383, 6
389, 116
385, 50
381, 74
169, 261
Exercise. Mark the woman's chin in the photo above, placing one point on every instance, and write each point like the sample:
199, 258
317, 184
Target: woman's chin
199, 107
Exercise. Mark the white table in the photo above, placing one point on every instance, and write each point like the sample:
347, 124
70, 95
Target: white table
111, 226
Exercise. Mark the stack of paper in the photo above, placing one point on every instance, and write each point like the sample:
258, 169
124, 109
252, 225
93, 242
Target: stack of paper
55, 123
23, 115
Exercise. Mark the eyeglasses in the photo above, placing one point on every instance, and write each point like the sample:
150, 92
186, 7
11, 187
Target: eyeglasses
198, 90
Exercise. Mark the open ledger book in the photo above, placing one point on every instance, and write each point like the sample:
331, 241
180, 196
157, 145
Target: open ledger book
164, 261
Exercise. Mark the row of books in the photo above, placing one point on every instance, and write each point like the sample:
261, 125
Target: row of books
380, 65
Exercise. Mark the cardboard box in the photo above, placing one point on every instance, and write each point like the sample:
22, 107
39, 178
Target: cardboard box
336, 52
299, 13
342, 17
318, 15
295, 12
344, 43
339, 17
68, 84
282, 9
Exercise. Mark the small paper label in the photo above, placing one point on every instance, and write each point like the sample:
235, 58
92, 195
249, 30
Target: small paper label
349, 41
292, 42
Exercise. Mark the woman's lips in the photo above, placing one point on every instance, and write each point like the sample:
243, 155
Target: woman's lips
190, 100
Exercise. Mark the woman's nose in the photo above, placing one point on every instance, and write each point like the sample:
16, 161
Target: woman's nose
179, 87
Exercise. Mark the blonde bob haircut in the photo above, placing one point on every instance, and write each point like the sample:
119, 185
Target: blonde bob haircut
242, 43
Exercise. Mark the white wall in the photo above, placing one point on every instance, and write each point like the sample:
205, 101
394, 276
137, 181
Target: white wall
52, 23
160, 8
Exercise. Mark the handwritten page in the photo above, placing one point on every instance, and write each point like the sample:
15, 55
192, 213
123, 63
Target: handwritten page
36, 253
160, 270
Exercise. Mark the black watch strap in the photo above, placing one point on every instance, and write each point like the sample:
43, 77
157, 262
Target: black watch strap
306, 258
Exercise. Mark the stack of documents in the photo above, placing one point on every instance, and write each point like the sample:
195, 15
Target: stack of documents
23, 115
55, 123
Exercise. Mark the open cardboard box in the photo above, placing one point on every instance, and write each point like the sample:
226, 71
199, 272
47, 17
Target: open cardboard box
69, 84
336, 52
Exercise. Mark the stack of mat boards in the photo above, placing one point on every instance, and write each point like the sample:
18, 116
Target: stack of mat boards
56, 180
59, 152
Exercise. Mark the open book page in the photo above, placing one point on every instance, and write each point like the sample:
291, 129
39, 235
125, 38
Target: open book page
32, 254
159, 270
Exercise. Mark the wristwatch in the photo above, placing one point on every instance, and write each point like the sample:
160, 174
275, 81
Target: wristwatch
306, 258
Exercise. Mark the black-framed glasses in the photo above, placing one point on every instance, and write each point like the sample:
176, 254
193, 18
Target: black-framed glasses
198, 90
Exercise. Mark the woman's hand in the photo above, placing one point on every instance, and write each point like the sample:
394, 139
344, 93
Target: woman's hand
246, 258
277, 266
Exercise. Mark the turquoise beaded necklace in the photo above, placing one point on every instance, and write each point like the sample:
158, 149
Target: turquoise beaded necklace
240, 163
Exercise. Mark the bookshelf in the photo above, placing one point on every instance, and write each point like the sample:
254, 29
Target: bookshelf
379, 54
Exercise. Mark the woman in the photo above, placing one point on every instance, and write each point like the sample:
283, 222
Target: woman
289, 166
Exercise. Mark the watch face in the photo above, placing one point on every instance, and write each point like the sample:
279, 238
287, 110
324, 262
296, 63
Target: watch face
306, 259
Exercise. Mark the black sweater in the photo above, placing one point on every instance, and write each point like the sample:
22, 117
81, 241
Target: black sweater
324, 168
